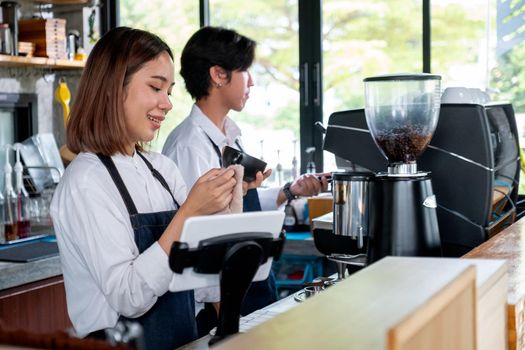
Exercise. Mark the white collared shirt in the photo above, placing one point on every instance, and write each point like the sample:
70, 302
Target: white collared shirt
104, 274
191, 149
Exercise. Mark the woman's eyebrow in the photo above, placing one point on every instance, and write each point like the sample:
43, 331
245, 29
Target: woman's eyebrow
162, 78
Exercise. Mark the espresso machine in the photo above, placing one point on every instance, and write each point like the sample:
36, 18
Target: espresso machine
391, 212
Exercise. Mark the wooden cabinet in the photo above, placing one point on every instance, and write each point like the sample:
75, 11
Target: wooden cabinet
38, 307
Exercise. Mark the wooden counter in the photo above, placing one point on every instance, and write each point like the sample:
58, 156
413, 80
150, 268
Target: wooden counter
396, 303
509, 245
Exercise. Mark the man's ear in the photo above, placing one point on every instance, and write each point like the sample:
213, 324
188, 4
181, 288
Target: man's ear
218, 76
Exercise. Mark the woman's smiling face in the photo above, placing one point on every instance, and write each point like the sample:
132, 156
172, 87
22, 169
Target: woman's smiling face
147, 99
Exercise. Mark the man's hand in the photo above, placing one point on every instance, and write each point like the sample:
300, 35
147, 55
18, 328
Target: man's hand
310, 184
259, 178
306, 185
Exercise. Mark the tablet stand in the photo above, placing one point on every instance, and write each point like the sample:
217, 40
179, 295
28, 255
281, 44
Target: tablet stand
236, 257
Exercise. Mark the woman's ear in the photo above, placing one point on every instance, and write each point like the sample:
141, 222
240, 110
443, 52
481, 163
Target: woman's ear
218, 76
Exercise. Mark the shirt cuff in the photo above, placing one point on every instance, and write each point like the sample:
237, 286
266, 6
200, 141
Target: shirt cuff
208, 295
153, 266
268, 197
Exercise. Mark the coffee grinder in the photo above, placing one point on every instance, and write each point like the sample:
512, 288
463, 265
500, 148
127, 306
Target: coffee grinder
402, 113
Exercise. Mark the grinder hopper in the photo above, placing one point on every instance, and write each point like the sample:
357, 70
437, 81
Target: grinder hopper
402, 113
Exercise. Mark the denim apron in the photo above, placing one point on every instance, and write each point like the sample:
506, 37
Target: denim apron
170, 323
261, 293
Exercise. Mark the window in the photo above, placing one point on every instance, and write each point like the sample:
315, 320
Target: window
476, 43
479, 44
175, 22
363, 39
462, 42
270, 120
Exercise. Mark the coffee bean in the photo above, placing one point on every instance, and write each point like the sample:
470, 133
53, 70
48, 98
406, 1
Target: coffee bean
403, 144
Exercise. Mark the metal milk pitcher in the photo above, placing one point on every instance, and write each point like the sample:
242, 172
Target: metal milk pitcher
350, 191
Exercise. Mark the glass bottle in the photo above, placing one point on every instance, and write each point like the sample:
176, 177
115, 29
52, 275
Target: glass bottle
10, 200
23, 216
295, 171
290, 218
310, 166
2, 228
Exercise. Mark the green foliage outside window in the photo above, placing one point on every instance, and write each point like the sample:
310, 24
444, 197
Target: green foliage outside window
360, 39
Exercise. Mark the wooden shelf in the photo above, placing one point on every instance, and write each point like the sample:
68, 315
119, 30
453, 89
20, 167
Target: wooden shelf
62, 2
39, 62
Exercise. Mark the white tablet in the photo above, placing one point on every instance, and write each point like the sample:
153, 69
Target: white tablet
203, 227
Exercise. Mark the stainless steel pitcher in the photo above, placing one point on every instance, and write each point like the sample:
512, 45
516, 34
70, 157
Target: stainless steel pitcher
350, 191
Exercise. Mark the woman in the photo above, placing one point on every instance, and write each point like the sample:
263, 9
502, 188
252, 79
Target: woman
118, 209
215, 65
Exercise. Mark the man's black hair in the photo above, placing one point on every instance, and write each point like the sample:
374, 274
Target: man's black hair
213, 46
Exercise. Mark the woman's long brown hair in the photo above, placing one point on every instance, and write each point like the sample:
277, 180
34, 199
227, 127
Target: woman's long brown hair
96, 123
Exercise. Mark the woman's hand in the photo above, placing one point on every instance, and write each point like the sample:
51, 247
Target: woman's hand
211, 193
259, 178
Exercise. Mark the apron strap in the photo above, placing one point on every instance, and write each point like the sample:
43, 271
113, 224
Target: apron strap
218, 151
117, 179
216, 148
159, 177
250, 201
239, 145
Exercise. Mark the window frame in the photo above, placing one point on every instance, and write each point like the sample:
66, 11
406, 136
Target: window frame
310, 60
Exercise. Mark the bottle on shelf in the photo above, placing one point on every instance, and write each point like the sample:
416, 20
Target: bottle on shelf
23, 216
2, 228
261, 142
11, 230
295, 171
290, 218
10, 14
279, 169
310, 166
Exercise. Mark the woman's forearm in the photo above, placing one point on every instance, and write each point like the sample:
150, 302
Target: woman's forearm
174, 230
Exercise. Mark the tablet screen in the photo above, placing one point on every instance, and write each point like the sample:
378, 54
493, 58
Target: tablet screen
203, 227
